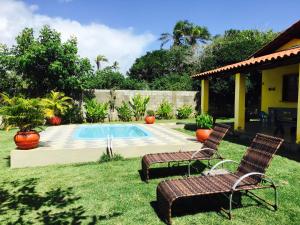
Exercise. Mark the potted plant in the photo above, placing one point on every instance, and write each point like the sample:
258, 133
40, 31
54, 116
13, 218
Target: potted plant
26, 114
150, 117
204, 124
56, 104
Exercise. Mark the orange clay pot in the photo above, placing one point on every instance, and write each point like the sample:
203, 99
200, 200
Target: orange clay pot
55, 120
150, 119
203, 134
27, 139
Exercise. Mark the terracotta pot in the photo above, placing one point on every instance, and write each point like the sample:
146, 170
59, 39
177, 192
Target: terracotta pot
27, 139
55, 120
150, 119
203, 134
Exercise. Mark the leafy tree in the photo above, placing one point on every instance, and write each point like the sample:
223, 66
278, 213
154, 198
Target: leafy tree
99, 59
159, 63
47, 63
232, 47
173, 82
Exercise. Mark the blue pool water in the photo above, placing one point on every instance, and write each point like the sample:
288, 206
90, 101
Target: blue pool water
115, 131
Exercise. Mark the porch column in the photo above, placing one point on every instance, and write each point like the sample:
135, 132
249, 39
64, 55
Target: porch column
298, 110
239, 102
204, 96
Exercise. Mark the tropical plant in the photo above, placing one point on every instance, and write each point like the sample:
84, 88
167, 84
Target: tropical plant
95, 112
56, 104
165, 110
99, 59
115, 66
185, 32
139, 104
204, 121
26, 114
184, 112
124, 112
73, 114
150, 113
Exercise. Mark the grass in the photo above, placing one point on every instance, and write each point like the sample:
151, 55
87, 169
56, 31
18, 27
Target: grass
113, 193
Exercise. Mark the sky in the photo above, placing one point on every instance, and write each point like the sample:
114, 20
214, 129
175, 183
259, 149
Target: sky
123, 30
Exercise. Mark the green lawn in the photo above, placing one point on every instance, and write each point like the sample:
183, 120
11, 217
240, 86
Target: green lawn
112, 193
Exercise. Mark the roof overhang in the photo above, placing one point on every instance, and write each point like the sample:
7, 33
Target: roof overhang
281, 58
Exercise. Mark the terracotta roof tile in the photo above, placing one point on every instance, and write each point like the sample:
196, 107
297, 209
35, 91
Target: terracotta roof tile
253, 61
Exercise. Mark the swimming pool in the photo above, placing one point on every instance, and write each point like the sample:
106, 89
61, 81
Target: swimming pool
115, 131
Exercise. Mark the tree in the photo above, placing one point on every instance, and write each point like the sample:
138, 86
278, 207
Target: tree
232, 47
99, 59
159, 63
115, 66
185, 33
46, 63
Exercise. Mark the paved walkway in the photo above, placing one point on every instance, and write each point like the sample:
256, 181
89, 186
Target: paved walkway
57, 146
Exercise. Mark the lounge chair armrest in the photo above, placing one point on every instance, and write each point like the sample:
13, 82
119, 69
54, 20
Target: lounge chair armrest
202, 149
262, 176
220, 163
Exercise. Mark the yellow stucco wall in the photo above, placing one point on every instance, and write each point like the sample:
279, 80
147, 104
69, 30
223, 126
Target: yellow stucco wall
273, 78
290, 44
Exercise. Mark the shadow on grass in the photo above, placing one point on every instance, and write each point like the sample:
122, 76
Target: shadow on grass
210, 203
22, 204
197, 167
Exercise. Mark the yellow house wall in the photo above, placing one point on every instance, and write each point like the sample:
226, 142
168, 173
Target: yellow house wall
273, 78
290, 44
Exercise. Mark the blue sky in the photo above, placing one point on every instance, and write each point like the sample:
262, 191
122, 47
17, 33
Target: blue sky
123, 30
157, 16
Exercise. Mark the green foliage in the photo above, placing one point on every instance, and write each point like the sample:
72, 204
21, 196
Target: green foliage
56, 104
124, 112
26, 114
185, 33
107, 158
95, 112
46, 63
106, 79
73, 115
165, 110
150, 113
204, 121
160, 63
173, 82
139, 104
184, 112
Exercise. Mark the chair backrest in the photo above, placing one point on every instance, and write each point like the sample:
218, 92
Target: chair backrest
216, 136
259, 154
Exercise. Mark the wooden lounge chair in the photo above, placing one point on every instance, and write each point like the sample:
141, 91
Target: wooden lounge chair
249, 175
208, 152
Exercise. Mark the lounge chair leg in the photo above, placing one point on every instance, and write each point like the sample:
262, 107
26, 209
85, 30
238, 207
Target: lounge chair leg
276, 198
189, 168
230, 205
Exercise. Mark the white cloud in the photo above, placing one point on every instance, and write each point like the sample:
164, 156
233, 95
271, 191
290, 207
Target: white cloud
120, 45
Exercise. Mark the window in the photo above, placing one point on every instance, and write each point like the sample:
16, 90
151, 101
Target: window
290, 88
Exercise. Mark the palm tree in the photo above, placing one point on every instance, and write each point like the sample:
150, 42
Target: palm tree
185, 32
178, 33
115, 65
197, 33
99, 59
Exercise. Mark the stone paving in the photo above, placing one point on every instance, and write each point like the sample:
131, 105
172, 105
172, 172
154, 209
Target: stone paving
58, 146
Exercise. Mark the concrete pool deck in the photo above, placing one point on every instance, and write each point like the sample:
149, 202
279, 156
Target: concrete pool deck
57, 146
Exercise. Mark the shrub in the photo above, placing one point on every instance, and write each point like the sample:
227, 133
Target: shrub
150, 113
106, 158
139, 104
204, 121
26, 114
124, 112
73, 115
184, 112
165, 110
95, 112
